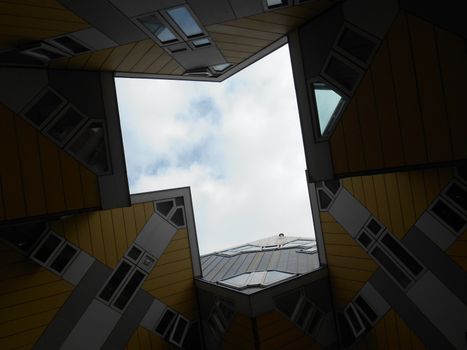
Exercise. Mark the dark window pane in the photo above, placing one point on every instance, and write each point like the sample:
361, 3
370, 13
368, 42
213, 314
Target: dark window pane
115, 281
64, 125
63, 258
317, 316
23, 236
391, 267
362, 304
91, 147
458, 195
342, 73
47, 248
356, 45
179, 330
405, 258
364, 239
449, 216
374, 227
179, 201
164, 207
129, 290
324, 199
165, 322
353, 318
177, 217
134, 253
44, 108
333, 185
303, 314
71, 44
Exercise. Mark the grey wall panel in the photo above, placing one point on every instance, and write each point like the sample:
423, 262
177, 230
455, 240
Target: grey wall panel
246, 263
438, 262
316, 39
374, 299
93, 328
209, 276
199, 58
264, 263
156, 235
19, 86
79, 267
224, 271
292, 262
255, 262
136, 8
234, 270
441, 307
349, 212
283, 258
408, 311
375, 17
243, 8
94, 39
114, 188
75, 306
210, 12
436, 231
217, 259
107, 19
82, 89
153, 314
129, 321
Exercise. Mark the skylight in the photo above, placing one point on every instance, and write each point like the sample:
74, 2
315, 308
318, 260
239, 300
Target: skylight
258, 279
185, 21
158, 29
328, 104
237, 144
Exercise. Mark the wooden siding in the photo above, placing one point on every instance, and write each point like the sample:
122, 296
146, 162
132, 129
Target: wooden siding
458, 251
171, 280
399, 199
36, 176
349, 265
277, 332
409, 107
25, 21
143, 339
30, 296
391, 332
106, 234
239, 335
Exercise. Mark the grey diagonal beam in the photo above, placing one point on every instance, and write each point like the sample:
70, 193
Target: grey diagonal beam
74, 308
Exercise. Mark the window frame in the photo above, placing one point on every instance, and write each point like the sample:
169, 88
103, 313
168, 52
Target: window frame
164, 22
178, 29
35, 100
252, 275
73, 131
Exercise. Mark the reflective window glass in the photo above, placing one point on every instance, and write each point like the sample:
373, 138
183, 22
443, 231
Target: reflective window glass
275, 276
183, 18
162, 33
328, 104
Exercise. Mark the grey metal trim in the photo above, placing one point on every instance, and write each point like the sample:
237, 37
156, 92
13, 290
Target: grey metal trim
113, 188
438, 262
408, 311
184, 192
78, 268
153, 314
73, 308
349, 212
317, 223
435, 230
129, 321
374, 300
93, 38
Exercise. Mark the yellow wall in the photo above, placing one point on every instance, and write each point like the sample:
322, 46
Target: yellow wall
239, 335
106, 234
143, 339
409, 108
277, 332
36, 176
398, 199
30, 296
171, 280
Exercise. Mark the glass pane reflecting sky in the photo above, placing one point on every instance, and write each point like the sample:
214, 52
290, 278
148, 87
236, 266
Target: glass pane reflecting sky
185, 21
237, 144
327, 101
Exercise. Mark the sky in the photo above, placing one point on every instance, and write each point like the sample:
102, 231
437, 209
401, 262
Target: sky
237, 144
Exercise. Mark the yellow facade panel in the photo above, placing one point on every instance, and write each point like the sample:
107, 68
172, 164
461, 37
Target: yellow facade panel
71, 182
135, 55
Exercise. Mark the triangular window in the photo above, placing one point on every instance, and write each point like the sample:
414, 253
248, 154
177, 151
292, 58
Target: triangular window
328, 105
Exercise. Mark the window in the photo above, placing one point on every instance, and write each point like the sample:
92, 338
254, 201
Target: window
65, 125
129, 290
178, 217
44, 52
90, 146
46, 249
342, 72
165, 207
47, 105
357, 45
390, 267
299, 243
134, 253
201, 42
63, 258
70, 44
354, 320
159, 30
115, 281
183, 18
221, 67
328, 103
450, 217
179, 331
165, 322
259, 279
275, 3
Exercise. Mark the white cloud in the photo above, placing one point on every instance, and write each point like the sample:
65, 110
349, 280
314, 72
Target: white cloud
237, 144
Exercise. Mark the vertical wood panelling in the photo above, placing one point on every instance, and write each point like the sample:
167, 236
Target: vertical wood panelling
239, 335
142, 339
71, 182
430, 90
398, 199
171, 280
339, 150
30, 296
353, 139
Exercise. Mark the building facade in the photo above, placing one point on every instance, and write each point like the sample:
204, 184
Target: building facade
380, 91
